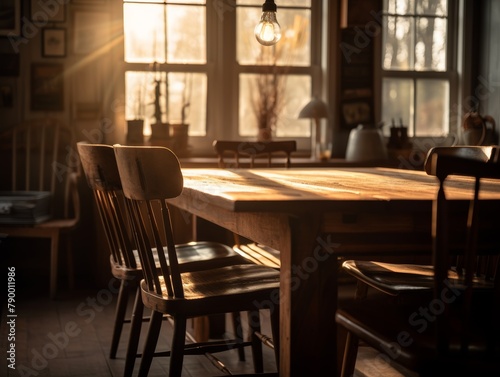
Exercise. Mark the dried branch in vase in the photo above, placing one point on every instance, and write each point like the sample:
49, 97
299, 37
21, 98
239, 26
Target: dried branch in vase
268, 97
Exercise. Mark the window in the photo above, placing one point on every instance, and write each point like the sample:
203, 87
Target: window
198, 62
418, 65
166, 63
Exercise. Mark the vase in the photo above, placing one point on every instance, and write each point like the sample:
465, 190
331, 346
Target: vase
179, 135
135, 129
265, 134
160, 131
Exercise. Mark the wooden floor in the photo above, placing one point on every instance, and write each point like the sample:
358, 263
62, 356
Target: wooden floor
70, 337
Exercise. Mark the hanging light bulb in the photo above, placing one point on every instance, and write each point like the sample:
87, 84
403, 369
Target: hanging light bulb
268, 31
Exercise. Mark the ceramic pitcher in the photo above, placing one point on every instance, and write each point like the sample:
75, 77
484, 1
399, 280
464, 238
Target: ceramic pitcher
477, 129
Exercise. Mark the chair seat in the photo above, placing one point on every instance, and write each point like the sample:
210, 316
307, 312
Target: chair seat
192, 256
414, 346
59, 223
226, 289
259, 254
395, 278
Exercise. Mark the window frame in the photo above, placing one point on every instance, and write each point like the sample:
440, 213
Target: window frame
223, 70
450, 74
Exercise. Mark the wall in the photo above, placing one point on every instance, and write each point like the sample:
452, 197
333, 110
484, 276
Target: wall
91, 72
88, 74
487, 82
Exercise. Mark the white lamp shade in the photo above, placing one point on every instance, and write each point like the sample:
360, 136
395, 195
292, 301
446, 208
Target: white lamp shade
315, 109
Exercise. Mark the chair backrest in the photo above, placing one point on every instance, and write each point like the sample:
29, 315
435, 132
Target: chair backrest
253, 150
149, 176
42, 157
99, 165
478, 163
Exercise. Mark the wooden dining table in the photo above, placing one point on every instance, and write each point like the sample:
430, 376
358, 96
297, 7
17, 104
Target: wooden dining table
317, 217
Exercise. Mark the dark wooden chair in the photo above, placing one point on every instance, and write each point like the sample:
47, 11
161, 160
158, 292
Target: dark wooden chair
394, 279
252, 150
99, 165
450, 327
150, 176
40, 157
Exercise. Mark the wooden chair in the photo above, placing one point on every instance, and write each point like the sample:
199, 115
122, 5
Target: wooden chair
42, 158
99, 165
257, 253
150, 176
253, 150
451, 327
394, 279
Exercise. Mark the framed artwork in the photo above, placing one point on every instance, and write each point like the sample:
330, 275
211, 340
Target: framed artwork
54, 42
10, 18
47, 87
356, 111
90, 31
43, 11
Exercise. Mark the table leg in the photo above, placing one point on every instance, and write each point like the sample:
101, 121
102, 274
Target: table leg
309, 301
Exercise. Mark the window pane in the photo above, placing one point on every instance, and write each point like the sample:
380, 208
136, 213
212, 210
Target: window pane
143, 33
430, 48
186, 30
432, 107
135, 90
144, 29
167, 1
398, 42
294, 47
189, 89
399, 6
434, 7
298, 3
398, 103
292, 93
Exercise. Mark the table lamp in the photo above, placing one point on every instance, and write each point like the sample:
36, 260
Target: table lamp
316, 109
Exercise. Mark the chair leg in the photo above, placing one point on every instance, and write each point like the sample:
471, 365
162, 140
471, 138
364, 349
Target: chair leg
150, 345
178, 342
135, 332
275, 329
120, 311
254, 322
54, 259
350, 355
70, 262
238, 331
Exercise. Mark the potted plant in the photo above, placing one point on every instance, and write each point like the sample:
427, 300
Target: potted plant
159, 130
135, 127
267, 102
173, 134
179, 130
268, 96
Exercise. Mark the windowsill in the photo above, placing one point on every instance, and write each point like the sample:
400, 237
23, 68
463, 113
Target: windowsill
297, 162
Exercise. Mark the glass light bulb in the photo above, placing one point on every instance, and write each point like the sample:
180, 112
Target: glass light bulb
268, 31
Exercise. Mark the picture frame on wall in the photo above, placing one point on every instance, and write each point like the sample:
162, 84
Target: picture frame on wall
54, 42
10, 18
47, 87
356, 111
43, 11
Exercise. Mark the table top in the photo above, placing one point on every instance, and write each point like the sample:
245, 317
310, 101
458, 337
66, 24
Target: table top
297, 189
